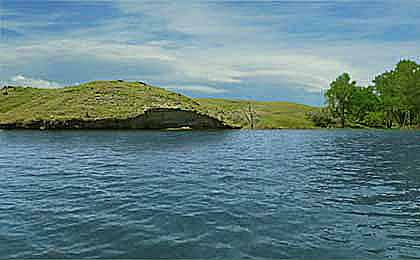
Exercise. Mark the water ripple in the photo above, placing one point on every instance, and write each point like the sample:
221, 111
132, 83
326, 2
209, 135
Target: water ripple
210, 195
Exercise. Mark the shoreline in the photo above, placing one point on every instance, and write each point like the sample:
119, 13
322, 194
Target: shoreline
122, 104
182, 129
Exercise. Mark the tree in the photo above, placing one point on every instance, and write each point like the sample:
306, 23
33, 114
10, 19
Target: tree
250, 115
363, 101
399, 93
409, 79
339, 97
394, 97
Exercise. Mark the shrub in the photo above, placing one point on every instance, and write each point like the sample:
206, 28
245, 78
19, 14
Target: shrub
321, 118
375, 119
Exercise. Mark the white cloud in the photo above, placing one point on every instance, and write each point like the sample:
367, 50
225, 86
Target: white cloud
82, 48
201, 19
222, 46
242, 50
313, 67
20, 80
198, 88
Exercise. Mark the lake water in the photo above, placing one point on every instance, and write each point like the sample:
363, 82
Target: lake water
324, 194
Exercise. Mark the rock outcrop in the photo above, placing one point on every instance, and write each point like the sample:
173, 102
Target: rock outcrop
155, 118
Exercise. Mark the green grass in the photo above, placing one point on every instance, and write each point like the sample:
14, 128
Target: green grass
268, 115
119, 99
98, 99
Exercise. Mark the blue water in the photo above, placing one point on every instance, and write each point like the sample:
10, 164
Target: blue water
325, 194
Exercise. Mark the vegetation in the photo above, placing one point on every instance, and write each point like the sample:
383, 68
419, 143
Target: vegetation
392, 101
340, 97
98, 99
262, 115
121, 100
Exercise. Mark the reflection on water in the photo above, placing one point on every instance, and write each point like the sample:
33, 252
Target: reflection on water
217, 194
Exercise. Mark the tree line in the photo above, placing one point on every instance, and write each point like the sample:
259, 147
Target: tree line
392, 100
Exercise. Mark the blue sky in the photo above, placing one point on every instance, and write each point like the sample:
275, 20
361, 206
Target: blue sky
282, 50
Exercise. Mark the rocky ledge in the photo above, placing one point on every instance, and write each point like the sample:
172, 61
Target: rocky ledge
155, 118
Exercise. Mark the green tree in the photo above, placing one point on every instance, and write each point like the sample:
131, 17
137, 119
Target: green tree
363, 101
394, 98
339, 97
409, 80
399, 93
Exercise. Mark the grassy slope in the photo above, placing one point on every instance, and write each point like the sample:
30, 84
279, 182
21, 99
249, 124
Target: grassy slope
99, 99
267, 114
114, 99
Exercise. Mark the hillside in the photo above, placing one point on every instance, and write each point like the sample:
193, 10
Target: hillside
120, 104
267, 115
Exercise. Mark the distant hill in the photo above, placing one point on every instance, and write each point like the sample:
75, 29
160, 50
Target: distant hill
267, 115
120, 104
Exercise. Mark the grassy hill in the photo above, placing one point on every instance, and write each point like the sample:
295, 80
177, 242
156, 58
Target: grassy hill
267, 115
121, 100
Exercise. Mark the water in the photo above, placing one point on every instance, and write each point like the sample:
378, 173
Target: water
210, 195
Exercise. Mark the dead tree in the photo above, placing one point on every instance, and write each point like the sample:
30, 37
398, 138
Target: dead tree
250, 115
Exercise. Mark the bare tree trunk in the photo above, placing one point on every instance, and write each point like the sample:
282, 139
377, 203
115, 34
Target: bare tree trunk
404, 119
416, 119
251, 115
400, 117
388, 119
408, 118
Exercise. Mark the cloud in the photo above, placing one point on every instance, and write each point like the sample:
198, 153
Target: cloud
313, 67
20, 80
208, 47
81, 47
235, 41
198, 88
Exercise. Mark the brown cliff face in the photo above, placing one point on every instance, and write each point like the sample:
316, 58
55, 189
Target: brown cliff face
156, 118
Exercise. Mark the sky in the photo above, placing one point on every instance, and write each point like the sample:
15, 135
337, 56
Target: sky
263, 50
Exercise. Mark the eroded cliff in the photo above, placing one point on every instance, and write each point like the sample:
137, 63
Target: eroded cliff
156, 118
